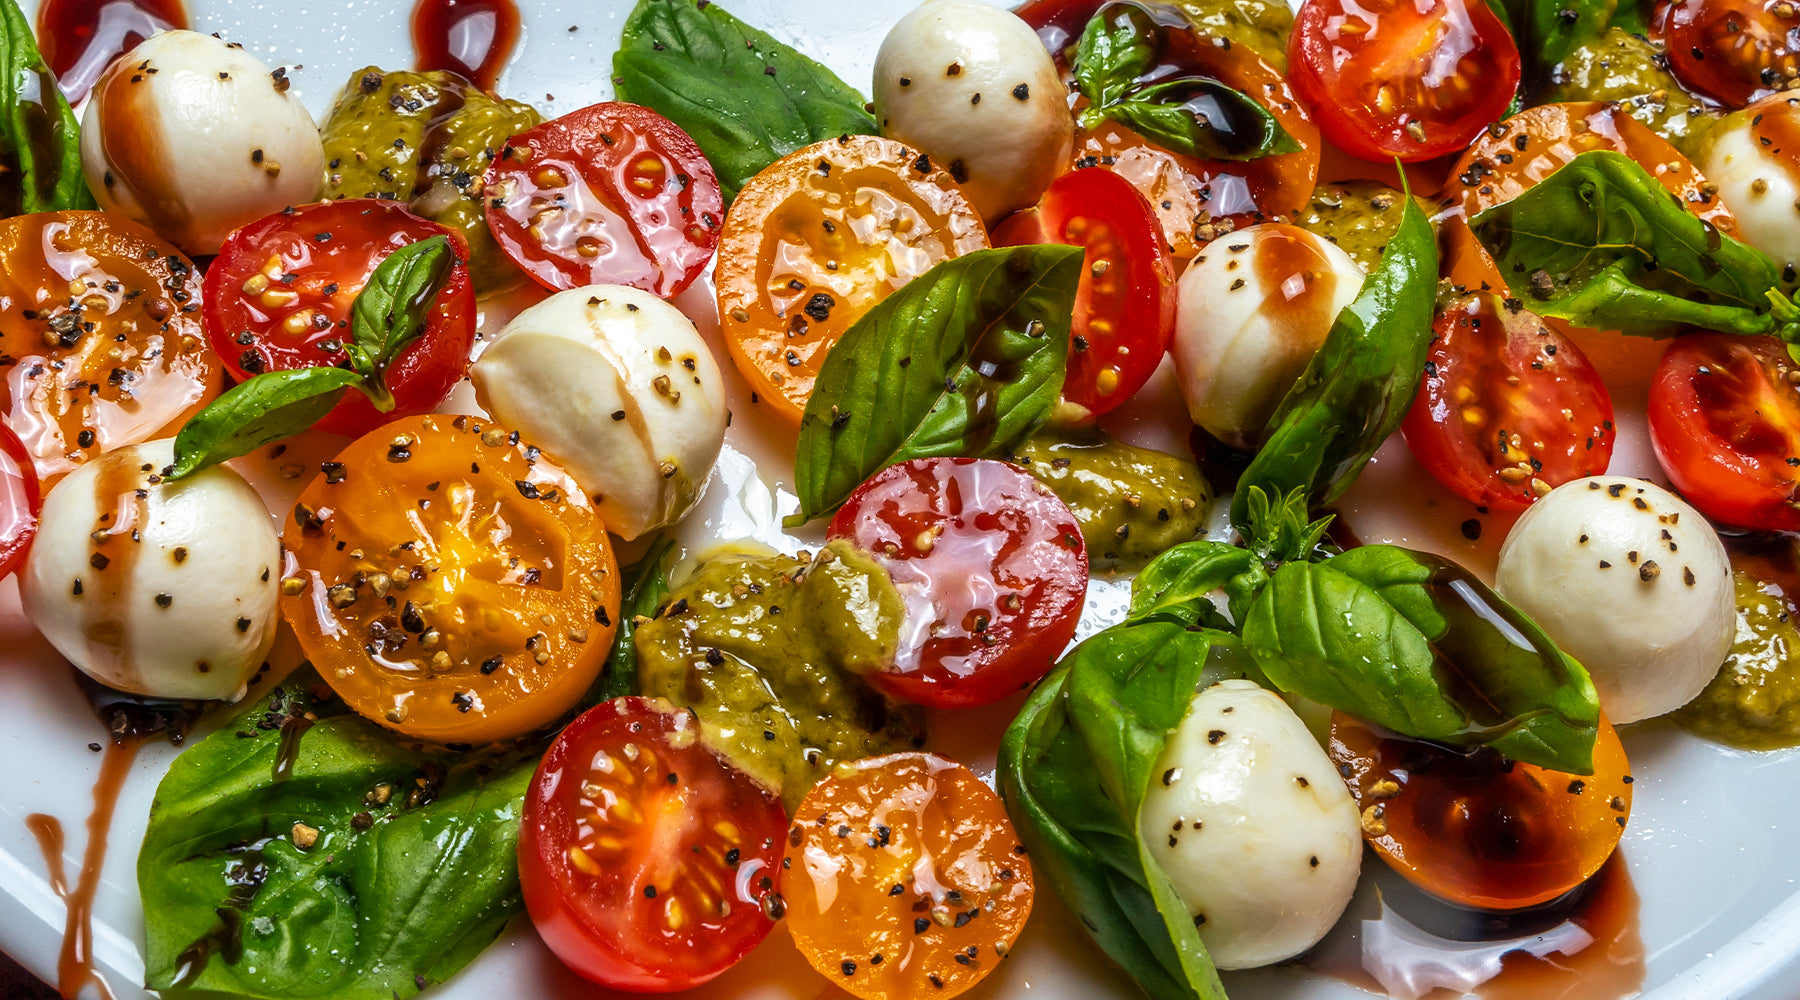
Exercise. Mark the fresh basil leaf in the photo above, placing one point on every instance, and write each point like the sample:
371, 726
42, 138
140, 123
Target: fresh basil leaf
1179, 581
1073, 769
1115, 48
1416, 644
394, 307
397, 893
256, 412
1282, 530
1547, 31
1601, 243
646, 584
40, 144
967, 359
747, 99
1358, 387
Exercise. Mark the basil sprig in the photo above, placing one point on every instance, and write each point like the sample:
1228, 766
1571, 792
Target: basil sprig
747, 99
1117, 68
389, 314
1603, 244
40, 144
967, 359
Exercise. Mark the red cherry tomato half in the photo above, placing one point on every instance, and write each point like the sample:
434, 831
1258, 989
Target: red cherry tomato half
1725, 422
1734, 51
1125, 308
612, 194
1507, 403
992, 567
280, 293
20, 503
648, 864
1414, 79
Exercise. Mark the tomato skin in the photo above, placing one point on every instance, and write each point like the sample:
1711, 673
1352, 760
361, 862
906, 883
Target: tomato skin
1733, 51
1725, 423
1494, 368
600, 877
645, 203
20, 502
331, 249
992, 567
1125, 307
1477, 829
1346, 61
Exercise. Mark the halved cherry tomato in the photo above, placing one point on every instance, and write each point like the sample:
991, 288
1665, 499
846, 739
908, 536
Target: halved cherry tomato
1480, 830
612, 194
904, 878
819, 237
1507, 404
1402, 78
449, 581
100, 337
20, 503
1125, 308
1733, 51
279, 297
1725, 421
648, 863
992, 568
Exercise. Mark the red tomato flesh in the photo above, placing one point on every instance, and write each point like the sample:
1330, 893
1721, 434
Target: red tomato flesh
1733, 51
20, 503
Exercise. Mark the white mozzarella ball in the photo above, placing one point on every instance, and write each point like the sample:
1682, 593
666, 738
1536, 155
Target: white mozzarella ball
972, 86
1758, 181
1253, 825
194, 137
616, 385
161, 589
1250, 312
1631, 582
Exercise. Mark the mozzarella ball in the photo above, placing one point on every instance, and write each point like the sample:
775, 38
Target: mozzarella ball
1250, 312
1757, 168
1631, 582
972, 86
155, 588
194, 137
617, 385
1253, 826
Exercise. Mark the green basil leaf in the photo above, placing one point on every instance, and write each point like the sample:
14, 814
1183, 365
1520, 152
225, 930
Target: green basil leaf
233, 905
393, 309
747, 99
646, 584
1601, 243
256, 412
1547, 31
1113, 51
967, 359
40, 143
1179, 581
1359, 385
1416, 644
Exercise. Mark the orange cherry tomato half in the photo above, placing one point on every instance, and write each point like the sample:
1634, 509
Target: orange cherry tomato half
818, 238
1477, 829
100, 337
612, 194
648, 863
1125, 307
450, 582
20, 503
903, 878
1733, 51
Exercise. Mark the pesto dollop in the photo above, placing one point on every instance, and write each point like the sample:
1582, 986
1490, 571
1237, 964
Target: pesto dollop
768, 651
1359, 216
1630, 69
1754, 701
425, 139
1263, 25
1132, 503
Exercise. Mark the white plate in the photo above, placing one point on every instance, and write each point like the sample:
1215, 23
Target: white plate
1710, 847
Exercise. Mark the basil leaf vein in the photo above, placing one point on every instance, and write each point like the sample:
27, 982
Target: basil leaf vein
258, 411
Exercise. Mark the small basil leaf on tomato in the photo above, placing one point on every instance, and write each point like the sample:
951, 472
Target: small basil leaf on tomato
1602, 244
391, 311
745, 98
256, 412
1179, 581
1358, 387
646, 585
40, 146
400, 891
1548, 31
966, 360
1417, 644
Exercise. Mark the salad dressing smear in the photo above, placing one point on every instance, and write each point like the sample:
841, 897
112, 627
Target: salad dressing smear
472, 38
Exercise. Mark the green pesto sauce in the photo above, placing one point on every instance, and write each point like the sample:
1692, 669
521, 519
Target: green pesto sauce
1754, 701
1132, 503
768, 652
1620, 66
425, 139
1359, 216
1263, 25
